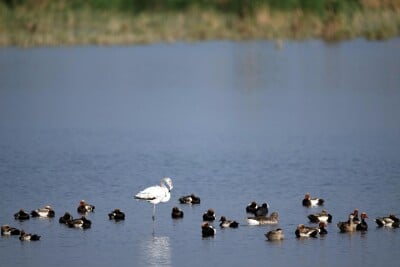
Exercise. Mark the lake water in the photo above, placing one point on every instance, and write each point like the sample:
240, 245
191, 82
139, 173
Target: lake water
229, 121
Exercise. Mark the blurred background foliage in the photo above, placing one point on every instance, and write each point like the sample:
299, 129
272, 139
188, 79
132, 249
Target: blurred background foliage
239, 7
49, 22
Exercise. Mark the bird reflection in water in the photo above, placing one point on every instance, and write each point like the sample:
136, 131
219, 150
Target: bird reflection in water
157, 251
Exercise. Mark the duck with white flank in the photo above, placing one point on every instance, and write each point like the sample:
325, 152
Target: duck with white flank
65, 218
156, 194
388, 221
207, 230
362, 226
323, 216
82, 223
190, 199
252, 207
260, 220
306, 231
21, 215
176, 213
28, 237
309, 201
7, 230
275, 235
228, 223
84, 207
45, 212
209, 215
116, 215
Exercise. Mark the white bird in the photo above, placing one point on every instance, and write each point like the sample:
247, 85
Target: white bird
156, 194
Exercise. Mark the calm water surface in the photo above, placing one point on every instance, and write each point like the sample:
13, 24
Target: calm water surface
231, 122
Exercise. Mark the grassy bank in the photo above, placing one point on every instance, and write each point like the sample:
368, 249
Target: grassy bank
41, 22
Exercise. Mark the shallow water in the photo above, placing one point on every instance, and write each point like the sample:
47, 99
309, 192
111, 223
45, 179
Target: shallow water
230, 122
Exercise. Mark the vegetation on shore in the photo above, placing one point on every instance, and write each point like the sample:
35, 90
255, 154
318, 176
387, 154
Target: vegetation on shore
71, 22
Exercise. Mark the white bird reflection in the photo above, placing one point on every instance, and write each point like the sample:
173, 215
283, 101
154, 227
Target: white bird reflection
157, 251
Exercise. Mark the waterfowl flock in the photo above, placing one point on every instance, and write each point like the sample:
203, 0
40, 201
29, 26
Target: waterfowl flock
257, 215
67, 219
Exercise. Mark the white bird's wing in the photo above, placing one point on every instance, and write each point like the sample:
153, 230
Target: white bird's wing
154, 194
149, 193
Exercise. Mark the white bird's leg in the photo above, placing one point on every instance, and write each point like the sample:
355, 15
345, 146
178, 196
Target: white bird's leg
154, 217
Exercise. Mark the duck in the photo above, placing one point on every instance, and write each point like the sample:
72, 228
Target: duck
65, 218
21, 215
209, 215
228, 223
45, 212
260, 220
116, 215
362, 226
388, 221
356, 220
306, 231
275, 235
348, 226
190, 199
312, 201
80, 223
28, 237
85, 207
176, 213
7, 230
323, 216
322, 229
207, 230
251, 207
262, 210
